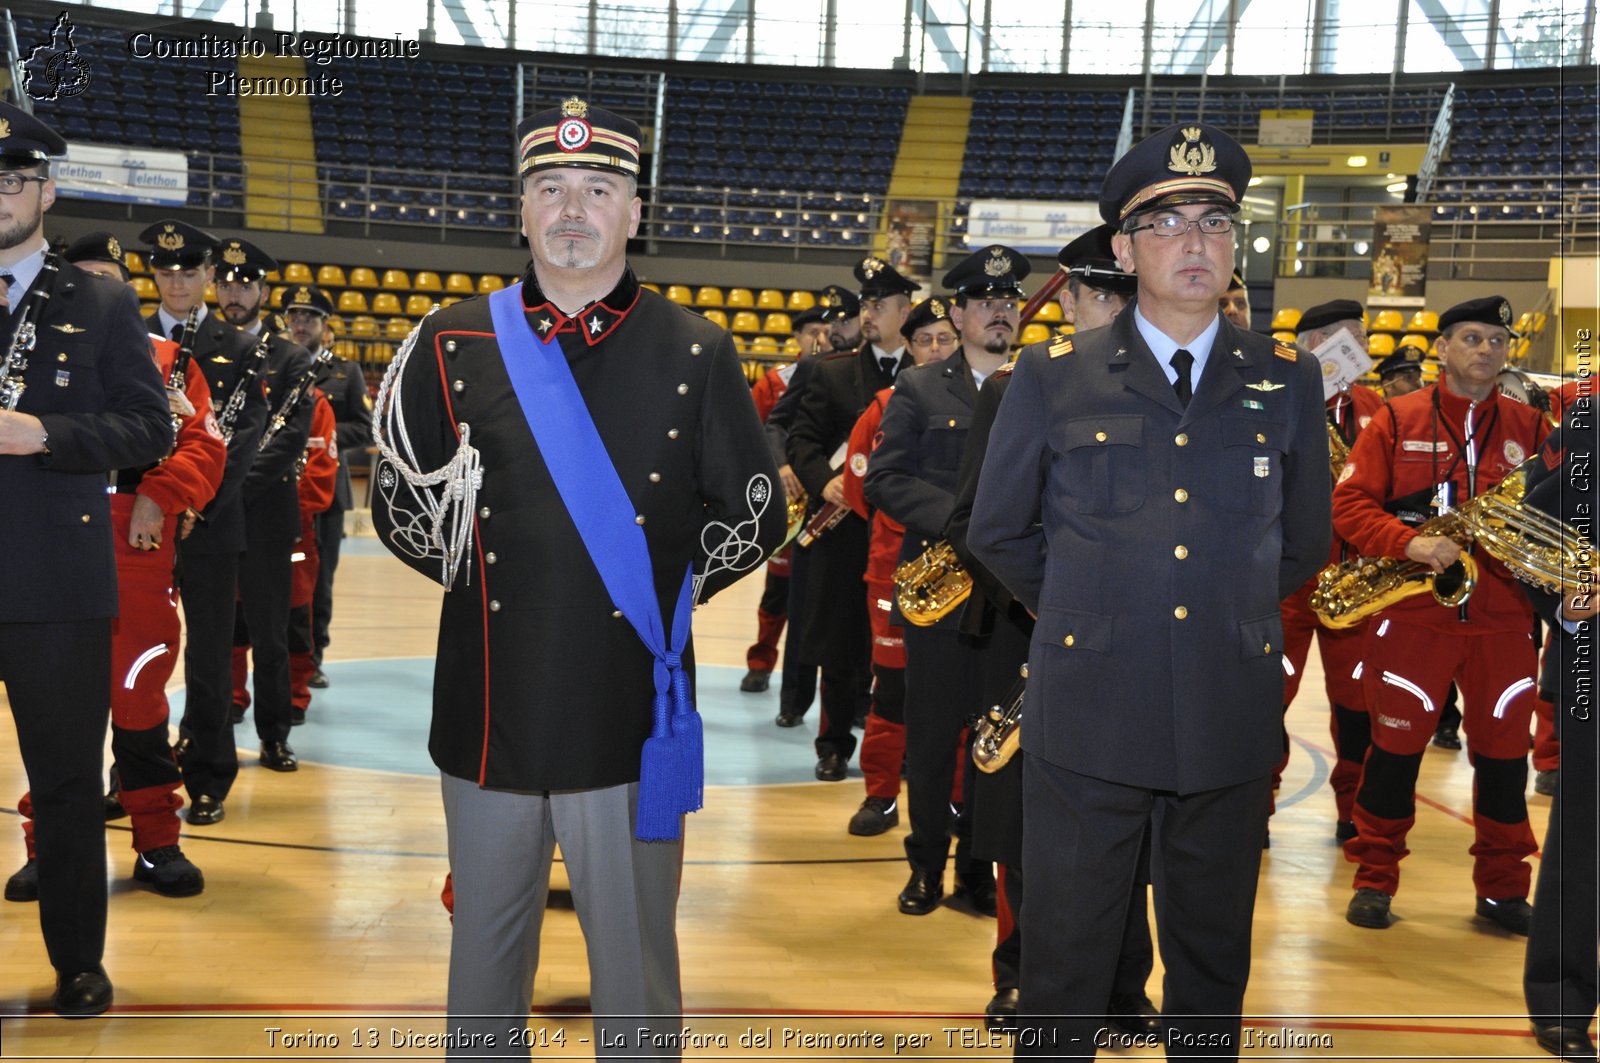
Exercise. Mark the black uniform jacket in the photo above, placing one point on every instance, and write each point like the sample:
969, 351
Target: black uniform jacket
1154, 544
92, 383
912, 473
271, 488
540, 683
341, 380
221, 351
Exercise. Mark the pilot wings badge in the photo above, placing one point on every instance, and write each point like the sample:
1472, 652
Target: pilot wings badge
1266, 385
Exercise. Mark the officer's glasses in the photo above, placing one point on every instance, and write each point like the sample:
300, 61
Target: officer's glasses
12, 183
1172, 226
938, 339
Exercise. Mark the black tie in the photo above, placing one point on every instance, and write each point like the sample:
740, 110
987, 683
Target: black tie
1182, 362
889, 365
177, 333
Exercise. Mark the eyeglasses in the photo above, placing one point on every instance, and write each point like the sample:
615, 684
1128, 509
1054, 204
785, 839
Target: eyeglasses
938, 339
12, 183
1171, 226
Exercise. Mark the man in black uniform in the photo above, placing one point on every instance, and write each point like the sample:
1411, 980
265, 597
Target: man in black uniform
180, 258
623, 477
307, 308
836, 631
85, 400
1175, 466
912, 478
271, 499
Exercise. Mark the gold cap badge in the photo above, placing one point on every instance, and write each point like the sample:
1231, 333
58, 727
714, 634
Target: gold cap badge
1505, 313
872, 266
999, 263
1194, 156
5, 129
114, 248
936, 308
574, 108
169, 239
234, 255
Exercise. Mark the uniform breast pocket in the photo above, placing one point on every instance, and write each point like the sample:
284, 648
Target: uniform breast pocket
67, 374
943, 437
1252, 464
1105, 463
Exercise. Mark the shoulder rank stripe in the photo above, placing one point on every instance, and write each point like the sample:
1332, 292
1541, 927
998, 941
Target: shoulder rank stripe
1060, 347
1005, 370
1284, 351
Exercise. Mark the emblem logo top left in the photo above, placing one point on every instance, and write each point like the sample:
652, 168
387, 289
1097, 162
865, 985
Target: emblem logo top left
56, 69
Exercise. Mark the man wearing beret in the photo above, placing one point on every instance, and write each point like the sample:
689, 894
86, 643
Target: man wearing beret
1430, 451
836, 632
85, 400
271, 504
1151, 492
306, 309
1349, 411
210, 542
612, 474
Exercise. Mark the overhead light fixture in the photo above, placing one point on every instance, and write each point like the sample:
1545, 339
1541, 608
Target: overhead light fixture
1261, 244
1255, 181
1356, 161
1360, 247
1397, 188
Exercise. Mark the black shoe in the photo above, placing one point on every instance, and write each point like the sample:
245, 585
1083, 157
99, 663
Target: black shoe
832, 767
1447, 738
297, 717
922, 893
1544, 782
236, 714
318, 680
1344, 830
1564, 1042
790, 719
977, 889
1514, 913
1369, 908
24, 885
1136, 1018
278, 756
876, 815
168, 872
205, 810
1001, 1011
755, 681
83, 994
181, 748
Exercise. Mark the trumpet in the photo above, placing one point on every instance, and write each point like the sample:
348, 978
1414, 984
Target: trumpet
828, 515
997, 734
931, 585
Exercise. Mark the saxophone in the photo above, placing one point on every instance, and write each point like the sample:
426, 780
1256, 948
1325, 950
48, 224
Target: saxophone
22, 341
1338, 450
229, 417
1536, 548
931, 585
997, 734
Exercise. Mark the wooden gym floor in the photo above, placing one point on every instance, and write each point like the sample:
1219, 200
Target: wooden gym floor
321, 916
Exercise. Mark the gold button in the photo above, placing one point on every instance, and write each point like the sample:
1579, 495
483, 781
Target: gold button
61, 357
484, 513
450, 345
1266, 648
494, 607
672, 433
616, 614
84, 518
1067, 641
695, 348
1181, 495
459, 385
1180, 612
655, 477
1182, 439
490, 557
1180, 551
1260, 438
1099, 437
639, 519
683, 389
952, 422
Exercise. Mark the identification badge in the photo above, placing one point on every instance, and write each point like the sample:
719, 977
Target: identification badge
1251, 404
63, 378
1263, 467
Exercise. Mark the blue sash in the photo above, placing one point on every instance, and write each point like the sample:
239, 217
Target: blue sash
672, 769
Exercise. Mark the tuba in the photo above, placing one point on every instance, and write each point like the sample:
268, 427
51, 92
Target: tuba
930, 586
997, 734
1536, 549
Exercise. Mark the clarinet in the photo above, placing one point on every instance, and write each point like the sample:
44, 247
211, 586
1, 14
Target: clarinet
178, 379
297, 393
16, 363
248, 376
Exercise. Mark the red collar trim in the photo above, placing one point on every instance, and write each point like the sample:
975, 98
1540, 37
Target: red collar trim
594, 322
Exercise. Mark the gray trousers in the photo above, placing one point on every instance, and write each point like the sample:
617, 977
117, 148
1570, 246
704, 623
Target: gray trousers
626, 894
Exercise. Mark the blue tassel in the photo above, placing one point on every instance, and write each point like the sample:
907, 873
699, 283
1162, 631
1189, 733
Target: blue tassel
659, 818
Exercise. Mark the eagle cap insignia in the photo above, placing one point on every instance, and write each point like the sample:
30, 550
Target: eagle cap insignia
574, 108
1505, 313
169, 239
114, 248
1193, 156
999, 263
1266, 385
5, 129
872, 266
234, 255
69, 329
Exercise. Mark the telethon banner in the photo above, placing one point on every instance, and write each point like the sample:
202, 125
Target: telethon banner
123, 175
1399, 257
1035, 226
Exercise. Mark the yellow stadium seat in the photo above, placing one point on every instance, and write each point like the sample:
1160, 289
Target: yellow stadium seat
1286, 319
791, 346
386, 304
740, 299
337, 325
717, 317
763, 345
398, 328
1388, 321
709, 295
211, 294
777, 324
363, 277
297, 273
348, 350
417, 304
1284, 336
458, 284
1380, 345
1049, 313
273, 277
352, 302
146, 309
1067, 330
364, 328
450, 300
331, 276
1417, 340
801, 300
769, 299
134, 261
746, 321
1424, 321
652, 286
396, 280
679, 294
489, 282
145, 288
1035, 333
427, 281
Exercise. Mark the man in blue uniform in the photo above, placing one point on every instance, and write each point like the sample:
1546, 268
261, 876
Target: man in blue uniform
1151, 491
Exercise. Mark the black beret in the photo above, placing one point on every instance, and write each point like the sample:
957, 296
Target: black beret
815, 315
24, 140
178, 245
1406, 356
1190, 163
838, 304
1490, 310
98, 246
241, 260
1324, 314
925, 313
995, 270
879, 279
1090, 259
576, 134
308, 297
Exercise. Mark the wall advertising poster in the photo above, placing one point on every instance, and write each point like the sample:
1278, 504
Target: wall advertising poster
1399, 257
